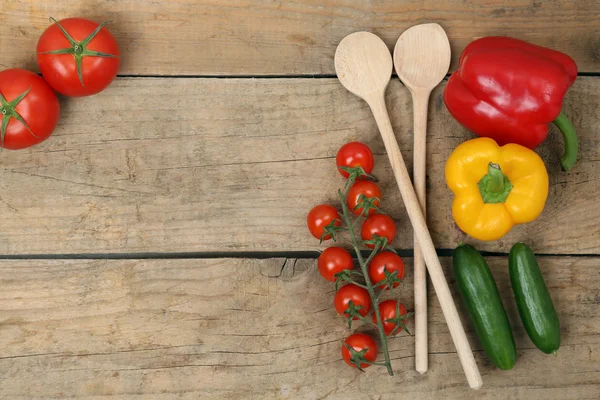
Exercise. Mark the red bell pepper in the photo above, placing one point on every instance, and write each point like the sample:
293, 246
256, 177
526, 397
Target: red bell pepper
509, 90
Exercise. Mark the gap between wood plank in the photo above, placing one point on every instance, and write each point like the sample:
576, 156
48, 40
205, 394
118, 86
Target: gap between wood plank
274, 76
259, 255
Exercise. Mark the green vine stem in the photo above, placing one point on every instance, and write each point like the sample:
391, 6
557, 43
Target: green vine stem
364, 266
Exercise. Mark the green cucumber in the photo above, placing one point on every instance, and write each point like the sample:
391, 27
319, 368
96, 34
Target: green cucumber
482, 300
533, 300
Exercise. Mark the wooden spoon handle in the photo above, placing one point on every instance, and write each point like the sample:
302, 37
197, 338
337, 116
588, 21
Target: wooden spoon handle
420, 104
377, 104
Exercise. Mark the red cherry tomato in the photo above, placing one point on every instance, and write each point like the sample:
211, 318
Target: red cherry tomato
29, 109
367, 188
359, 342
356, 294
321, 216
334, 260
382, 261
381, 225
78, 61
354, 154
387, 310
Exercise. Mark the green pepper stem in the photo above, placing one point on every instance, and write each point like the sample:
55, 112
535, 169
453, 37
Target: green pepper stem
571, 142
496, 184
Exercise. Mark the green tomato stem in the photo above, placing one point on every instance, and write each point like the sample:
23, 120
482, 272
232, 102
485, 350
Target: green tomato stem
353, 282
79, 50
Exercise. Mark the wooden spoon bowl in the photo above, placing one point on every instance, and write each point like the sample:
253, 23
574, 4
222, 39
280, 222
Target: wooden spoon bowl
363, 65
422, 57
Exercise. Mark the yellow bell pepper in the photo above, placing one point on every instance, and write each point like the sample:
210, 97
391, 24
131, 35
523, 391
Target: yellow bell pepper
495, 187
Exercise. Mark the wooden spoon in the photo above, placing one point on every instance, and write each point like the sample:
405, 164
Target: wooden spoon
363, 64
422, 60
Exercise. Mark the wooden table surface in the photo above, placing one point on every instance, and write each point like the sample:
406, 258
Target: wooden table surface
155, 246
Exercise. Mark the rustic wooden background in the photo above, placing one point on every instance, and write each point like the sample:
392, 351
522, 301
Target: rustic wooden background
155, 246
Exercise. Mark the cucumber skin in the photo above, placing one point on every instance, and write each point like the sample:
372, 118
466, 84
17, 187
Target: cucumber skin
533, 300
484, 305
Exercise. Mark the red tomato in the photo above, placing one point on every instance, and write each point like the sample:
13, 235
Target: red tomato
356, 294
381, 225
29, 109
78, 61
354, 154
334, 260
321, 216
385, 260
359, 342
387, 310
367, 188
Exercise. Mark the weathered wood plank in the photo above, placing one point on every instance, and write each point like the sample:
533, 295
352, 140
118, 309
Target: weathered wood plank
240, 329
175, 165
226, 37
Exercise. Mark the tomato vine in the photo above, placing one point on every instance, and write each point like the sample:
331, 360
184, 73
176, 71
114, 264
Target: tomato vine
375, 290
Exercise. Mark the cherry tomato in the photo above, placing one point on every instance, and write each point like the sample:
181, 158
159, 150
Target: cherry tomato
387, 310
334, 260
359, 342
321, 216
367, 188
381, 225
356, 294
78, 57
354, 154
382, 261
29, 109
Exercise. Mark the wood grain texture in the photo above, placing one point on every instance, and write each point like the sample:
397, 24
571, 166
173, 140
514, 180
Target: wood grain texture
257, 329
228, 37
176, 165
